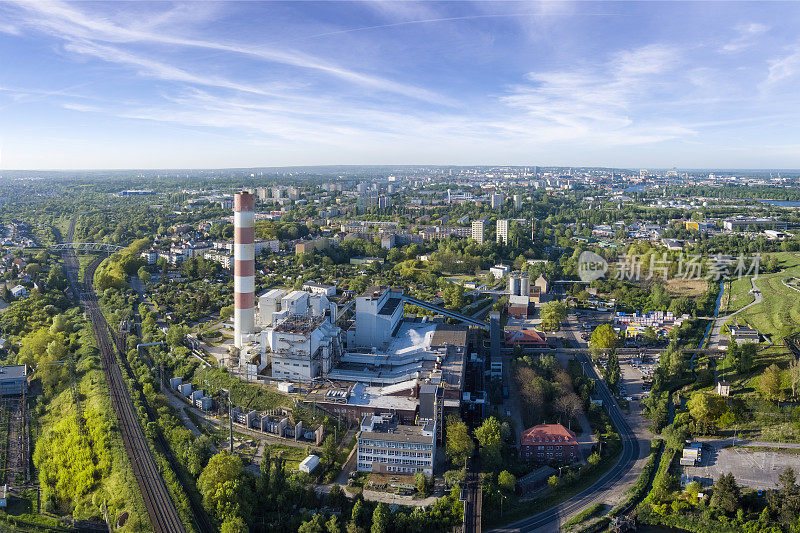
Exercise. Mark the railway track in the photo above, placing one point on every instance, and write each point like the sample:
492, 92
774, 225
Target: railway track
160, 508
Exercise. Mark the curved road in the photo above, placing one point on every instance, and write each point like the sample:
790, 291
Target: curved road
716, 330
549, 520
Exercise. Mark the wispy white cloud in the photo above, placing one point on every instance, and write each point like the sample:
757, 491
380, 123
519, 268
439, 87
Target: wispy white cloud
782, 68
597, 102
747, 36
61, 20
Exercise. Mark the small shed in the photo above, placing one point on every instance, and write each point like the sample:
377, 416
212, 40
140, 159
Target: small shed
309, 464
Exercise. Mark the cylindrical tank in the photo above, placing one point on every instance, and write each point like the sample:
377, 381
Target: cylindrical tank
514, 284
524, 285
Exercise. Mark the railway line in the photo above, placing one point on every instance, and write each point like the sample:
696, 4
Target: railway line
160, 508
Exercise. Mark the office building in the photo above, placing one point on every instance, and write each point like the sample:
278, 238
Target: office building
387, 447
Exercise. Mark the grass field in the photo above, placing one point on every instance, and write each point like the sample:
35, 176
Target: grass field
778, 315
293, 456
686, 287
737, 295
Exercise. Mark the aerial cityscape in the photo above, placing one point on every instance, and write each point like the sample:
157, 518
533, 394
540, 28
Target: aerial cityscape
399, 267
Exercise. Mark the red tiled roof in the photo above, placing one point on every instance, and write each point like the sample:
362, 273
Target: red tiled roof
548, 434
525, 337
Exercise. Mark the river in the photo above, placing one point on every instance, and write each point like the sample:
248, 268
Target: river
781, 203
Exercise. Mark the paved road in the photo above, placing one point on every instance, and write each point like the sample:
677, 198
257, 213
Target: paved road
549, 521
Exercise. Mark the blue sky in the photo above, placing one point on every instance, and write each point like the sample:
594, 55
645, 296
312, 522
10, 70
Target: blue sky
207, 84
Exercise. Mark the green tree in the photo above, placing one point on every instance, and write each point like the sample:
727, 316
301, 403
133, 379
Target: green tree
603, 339
233, 525
329, 451
223, 489
60, 324
143, 274
380, 519
553, 482
506, 481
747, 356
316, 524
175, 335
552, 315
491, 442
705, 409
593, 459
612, 371
358, 515
459, 446
421, 483
675, 436
770, 382
333, 525
336, 497
725, 494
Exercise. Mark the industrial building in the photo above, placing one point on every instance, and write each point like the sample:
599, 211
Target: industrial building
13, 380
302, 347
378, 314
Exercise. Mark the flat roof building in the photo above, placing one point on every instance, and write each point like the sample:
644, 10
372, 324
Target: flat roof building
13, 380
387, 447
478, 230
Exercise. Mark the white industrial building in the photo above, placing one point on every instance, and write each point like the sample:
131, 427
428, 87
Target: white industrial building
379, 312
302, 348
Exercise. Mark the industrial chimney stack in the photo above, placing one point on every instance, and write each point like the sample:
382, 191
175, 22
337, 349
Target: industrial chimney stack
244, 265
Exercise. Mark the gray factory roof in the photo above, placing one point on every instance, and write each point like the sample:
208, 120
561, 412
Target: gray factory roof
13, 372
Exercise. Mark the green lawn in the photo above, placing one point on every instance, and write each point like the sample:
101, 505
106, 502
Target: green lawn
293, 455
737, 295
778, 315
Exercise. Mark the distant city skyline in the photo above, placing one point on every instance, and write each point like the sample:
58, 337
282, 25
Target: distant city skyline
236, 85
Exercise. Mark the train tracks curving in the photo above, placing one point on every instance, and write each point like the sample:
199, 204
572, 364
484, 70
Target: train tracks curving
162, 512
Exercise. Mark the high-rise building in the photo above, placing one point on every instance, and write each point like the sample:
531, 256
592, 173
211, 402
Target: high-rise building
243, 268
497, 200
478, 230
517, 201
502, 230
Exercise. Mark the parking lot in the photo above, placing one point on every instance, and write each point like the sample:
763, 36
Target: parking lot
757, 469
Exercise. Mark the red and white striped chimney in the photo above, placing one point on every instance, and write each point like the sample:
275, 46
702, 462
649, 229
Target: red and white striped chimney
244, 265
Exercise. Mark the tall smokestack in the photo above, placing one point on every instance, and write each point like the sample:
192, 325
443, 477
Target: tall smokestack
244, 266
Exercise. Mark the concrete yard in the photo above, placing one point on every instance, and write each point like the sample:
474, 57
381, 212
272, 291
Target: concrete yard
756, 469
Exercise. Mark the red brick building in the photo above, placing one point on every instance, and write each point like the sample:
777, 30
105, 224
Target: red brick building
549, 442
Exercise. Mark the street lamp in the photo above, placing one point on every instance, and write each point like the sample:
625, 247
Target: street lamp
502, 497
